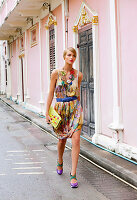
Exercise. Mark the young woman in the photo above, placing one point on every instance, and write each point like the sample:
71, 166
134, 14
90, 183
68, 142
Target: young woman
66, 84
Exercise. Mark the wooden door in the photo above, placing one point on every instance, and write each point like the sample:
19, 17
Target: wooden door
87, 86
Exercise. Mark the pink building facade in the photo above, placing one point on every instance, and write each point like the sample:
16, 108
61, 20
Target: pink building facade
37, 32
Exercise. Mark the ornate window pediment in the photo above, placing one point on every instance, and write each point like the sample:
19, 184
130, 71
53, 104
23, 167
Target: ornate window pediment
86, 16
51, 20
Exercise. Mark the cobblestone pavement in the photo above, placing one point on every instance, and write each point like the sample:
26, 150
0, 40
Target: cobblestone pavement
28, 167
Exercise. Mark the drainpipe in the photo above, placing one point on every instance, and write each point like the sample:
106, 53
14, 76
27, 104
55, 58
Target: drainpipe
41, 91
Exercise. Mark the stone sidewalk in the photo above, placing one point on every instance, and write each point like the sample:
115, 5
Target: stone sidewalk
116, 165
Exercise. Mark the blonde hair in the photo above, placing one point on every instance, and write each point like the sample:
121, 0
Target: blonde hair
69, 49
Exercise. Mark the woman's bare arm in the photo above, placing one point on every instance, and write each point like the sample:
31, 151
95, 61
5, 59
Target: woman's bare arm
53, 80
80, 76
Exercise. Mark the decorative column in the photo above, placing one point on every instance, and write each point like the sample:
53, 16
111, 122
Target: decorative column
3, 81
18, 75
21, 56
63, 25
8, 72
117, 124
27, 97
41, 74
47, 57
56, 50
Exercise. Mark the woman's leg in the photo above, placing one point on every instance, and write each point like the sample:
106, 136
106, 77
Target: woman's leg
61, 147
75, 152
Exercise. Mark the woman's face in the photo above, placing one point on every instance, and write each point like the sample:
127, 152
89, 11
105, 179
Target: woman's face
70, 57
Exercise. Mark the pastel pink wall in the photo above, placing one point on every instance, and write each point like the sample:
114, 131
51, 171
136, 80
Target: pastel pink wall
33, 58
14, 81
128, 36
102, 8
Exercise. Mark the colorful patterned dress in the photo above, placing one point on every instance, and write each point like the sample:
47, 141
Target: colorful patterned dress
70, 112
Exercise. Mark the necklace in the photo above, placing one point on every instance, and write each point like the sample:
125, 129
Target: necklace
71, 76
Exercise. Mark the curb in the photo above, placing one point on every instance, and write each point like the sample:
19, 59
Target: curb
115, 169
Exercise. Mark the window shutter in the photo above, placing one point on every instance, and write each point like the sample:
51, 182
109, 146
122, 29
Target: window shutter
52, 48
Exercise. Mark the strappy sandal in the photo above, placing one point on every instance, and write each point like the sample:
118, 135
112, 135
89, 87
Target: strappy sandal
59, 171
73, 185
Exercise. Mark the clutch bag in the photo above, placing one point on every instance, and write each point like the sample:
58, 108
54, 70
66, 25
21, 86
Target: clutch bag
55, 118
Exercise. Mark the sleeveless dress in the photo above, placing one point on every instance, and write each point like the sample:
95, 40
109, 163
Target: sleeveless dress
71, 112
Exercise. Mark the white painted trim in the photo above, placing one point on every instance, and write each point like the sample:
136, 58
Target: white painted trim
3, 85
24, 77
56, 47
18, 73
120, 148
41, 74
26, 67
48, 61
119, 64
117, 109
20, 99
63, 25
96, 71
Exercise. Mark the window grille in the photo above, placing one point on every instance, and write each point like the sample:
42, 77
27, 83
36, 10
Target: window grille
52, 48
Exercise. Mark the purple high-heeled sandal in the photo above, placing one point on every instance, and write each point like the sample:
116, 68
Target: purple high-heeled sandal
73, 185
59, 171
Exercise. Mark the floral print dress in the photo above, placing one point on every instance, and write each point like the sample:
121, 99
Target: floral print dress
70, 112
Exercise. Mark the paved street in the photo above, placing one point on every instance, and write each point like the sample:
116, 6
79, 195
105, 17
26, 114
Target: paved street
28, 167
